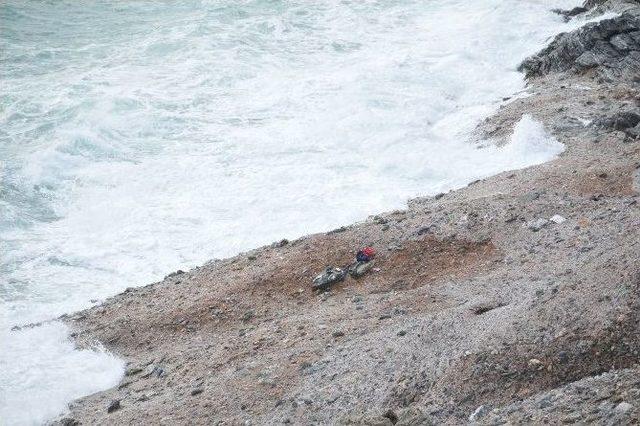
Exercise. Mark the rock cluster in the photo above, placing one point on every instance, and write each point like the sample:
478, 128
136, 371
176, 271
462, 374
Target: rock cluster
610, 48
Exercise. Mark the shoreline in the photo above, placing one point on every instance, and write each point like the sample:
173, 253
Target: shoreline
481, 298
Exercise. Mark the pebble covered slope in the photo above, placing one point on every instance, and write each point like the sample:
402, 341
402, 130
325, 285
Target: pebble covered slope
513, 300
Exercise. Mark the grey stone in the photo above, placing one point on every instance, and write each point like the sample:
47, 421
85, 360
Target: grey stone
113, 406
624, 407
538, 224
480, 412
153, 370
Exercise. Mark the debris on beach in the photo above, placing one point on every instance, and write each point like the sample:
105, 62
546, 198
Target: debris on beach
331, 275
328, 277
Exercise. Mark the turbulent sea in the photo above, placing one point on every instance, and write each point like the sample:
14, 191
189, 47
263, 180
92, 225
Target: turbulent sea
139, 137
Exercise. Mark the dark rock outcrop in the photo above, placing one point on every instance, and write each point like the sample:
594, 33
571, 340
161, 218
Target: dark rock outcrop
570, 13
609, 48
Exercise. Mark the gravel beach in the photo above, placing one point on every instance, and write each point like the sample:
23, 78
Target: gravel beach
514, 300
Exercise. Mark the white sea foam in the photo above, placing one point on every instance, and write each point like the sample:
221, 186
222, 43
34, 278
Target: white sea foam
35, 367
142, 137
530, 144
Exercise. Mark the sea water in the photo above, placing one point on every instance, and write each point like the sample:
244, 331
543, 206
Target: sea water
139, 137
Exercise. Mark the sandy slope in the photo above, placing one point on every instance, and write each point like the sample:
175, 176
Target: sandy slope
471, 305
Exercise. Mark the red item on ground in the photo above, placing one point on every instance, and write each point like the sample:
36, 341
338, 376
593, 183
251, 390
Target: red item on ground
369, 252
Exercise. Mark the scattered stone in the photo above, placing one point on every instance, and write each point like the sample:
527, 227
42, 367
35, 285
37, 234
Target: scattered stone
337, 333
174, 274
484, 307
69, 421
380, 220
197, 391
621, 121
480, 412
571, 418
358, 269
402, 333
538, 224
146, 396
623, 407
113, 406
535, 363
124, 384
337, 230
283, 242
424, 230
247, 316
556, 218
391, 415
153, 371
132, 371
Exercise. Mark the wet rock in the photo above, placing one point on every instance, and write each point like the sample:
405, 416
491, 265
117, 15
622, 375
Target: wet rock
113, 406
174, 274
611, 46
568, 14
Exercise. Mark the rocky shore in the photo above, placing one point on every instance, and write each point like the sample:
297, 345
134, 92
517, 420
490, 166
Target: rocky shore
514, 300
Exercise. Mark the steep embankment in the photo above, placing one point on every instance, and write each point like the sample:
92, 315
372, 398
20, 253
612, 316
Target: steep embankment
480, 304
